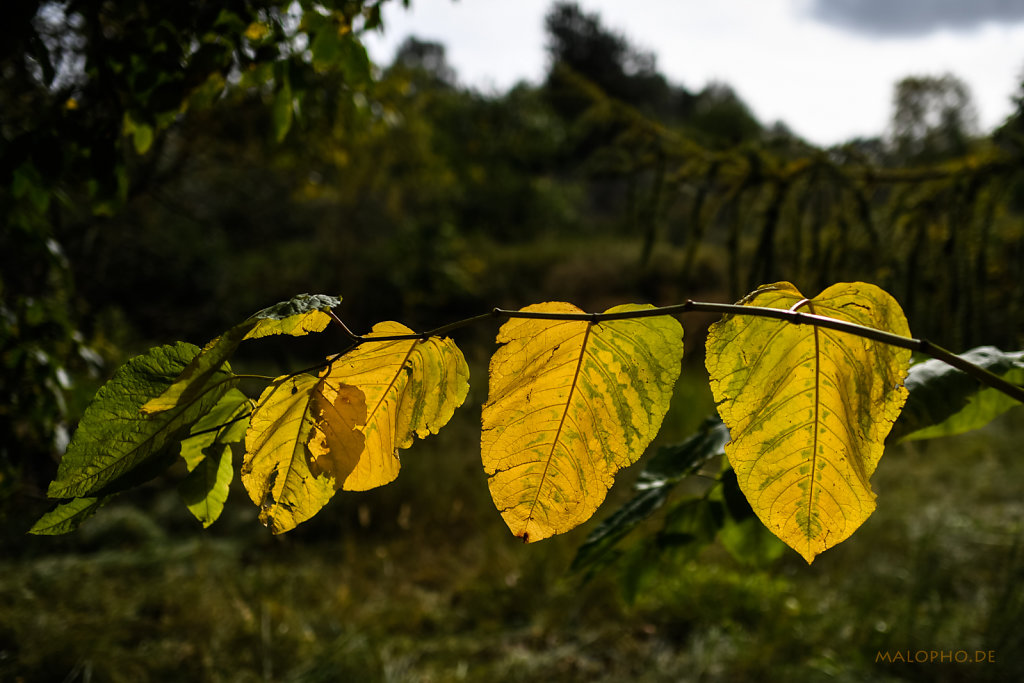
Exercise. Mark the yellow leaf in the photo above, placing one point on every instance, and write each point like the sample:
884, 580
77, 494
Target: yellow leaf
570, 403
410, 387
276, 469
808, 408
257, 31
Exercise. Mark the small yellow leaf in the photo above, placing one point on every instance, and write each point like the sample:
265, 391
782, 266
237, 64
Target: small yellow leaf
410, 387
570, 403
257, 31
808, 408
295, 326
276, 470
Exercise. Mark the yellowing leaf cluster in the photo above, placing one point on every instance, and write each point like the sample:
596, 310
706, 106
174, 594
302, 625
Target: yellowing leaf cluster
311, 436
806, 393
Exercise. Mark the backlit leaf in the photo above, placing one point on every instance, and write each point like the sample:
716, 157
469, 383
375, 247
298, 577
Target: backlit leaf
945, 401
808, 409
276, 471
299, 316
222, 425
570, 403
68, 516
410, 387
208, 454
114, 438
205, 489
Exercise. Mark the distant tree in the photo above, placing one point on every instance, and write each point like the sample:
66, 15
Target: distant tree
721, 118
580, 42
933, 117
426, 57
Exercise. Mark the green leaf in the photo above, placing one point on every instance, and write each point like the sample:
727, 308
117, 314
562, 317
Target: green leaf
672, 464
114, 438
571, 402
205, 489
299, 316
326, 46
142, 133
68, 516
742, 533
750, 543
945, 401
222, 425
692, 523
355, 62
669, 466
808, 408
207, 455
281, 110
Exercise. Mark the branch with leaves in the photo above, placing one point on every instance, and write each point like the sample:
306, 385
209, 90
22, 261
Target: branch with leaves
808, 391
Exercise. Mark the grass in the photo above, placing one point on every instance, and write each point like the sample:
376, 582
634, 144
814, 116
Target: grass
420, 581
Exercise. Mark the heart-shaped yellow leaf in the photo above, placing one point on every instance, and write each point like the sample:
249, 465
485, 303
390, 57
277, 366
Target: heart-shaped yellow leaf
809, 408
570, 403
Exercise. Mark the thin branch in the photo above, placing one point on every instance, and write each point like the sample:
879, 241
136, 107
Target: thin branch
223, 424
792, 316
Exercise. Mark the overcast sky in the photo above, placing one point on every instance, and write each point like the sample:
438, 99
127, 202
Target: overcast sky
824, 67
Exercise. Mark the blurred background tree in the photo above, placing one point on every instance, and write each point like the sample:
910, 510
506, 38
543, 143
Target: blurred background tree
933, 118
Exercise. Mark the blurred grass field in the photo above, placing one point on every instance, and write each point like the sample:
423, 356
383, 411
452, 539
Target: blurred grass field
420, 581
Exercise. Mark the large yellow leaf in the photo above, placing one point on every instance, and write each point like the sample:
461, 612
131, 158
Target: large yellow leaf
808, 408
570, 403
276, 469
410, 387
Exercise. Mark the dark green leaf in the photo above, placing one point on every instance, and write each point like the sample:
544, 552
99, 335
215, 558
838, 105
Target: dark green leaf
667, 468
672, 464
67, 517
205, 490
944, 400
114, 437
699, 519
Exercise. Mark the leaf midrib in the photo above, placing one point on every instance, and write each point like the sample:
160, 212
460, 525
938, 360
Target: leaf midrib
817, 424
558, 432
